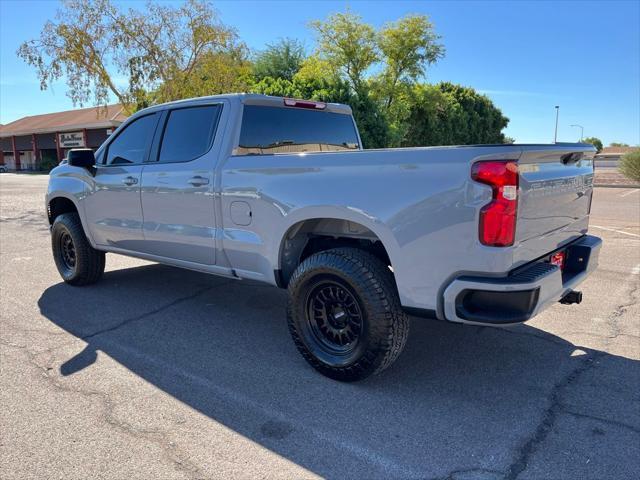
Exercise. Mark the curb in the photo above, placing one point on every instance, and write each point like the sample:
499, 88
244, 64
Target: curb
606, 185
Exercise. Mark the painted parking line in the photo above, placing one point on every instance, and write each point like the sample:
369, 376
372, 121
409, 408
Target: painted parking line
634, 190
614, 230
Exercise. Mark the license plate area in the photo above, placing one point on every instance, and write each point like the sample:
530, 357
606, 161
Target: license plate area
576, 260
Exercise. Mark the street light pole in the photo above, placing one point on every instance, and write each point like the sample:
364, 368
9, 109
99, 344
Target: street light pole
581, 131
555, 135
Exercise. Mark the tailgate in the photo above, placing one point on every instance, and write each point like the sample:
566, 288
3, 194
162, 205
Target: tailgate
556, 186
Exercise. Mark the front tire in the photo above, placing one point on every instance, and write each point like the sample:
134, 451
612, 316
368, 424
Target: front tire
77, 261
344, 314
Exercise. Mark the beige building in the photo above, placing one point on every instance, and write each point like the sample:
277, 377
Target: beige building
37, 140
610, 156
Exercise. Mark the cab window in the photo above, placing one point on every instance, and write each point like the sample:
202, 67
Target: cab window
188, 133
130, 146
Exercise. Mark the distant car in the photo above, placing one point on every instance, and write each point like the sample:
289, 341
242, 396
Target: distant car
3, 169
279, 190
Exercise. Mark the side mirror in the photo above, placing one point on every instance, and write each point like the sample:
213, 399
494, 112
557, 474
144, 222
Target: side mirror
82, 157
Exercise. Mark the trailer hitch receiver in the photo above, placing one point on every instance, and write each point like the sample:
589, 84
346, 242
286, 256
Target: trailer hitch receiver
571, 297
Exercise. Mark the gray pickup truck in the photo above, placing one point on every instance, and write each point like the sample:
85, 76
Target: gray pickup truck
280, 191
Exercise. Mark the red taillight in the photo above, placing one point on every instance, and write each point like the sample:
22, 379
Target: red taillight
292, 102
498, 218
557, 259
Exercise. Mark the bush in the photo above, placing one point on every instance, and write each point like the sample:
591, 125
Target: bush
630, 165
48, 162
449, 114
595, 141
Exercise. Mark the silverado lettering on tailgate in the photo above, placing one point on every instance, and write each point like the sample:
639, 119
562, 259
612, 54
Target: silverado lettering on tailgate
579, 184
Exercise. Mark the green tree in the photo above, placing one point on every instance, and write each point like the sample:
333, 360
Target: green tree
448, 114
407, 47
278, 87
348, 45
216, 73
484, 120
282, 59
595, 141
618, 144
630, 165
372, 124
315, 68
400, 50
164, 49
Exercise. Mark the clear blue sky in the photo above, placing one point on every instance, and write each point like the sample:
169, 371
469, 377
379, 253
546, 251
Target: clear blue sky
527, 56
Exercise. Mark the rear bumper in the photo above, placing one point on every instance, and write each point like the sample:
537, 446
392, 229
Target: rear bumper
522, 294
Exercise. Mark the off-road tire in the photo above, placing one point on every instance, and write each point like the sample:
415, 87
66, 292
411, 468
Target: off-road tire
384, 325
88, 263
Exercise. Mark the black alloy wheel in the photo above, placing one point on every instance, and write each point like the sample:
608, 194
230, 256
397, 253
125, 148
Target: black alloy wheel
67, 251
334, 316
344, 314
77, 261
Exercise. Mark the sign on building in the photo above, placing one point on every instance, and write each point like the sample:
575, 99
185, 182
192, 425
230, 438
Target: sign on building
71, 139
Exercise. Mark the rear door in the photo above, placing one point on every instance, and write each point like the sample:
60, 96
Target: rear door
262, 180
112, 205
556, 187
178, 185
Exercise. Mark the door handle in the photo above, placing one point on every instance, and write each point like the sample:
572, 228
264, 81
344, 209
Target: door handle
129, 180
198, 181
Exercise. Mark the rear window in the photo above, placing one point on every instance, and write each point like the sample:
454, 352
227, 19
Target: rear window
267, 130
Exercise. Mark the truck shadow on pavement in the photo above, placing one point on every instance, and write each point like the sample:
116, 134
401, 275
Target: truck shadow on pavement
460, 401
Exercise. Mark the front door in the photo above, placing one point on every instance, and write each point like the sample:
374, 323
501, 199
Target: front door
113, 207
177, 187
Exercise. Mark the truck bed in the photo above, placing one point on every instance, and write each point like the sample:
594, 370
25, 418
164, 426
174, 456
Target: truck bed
420, 202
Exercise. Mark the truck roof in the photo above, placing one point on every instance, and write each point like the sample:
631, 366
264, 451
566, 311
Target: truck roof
248, 98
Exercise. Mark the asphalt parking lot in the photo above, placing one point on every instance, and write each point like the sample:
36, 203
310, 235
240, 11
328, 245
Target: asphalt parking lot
161, 373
